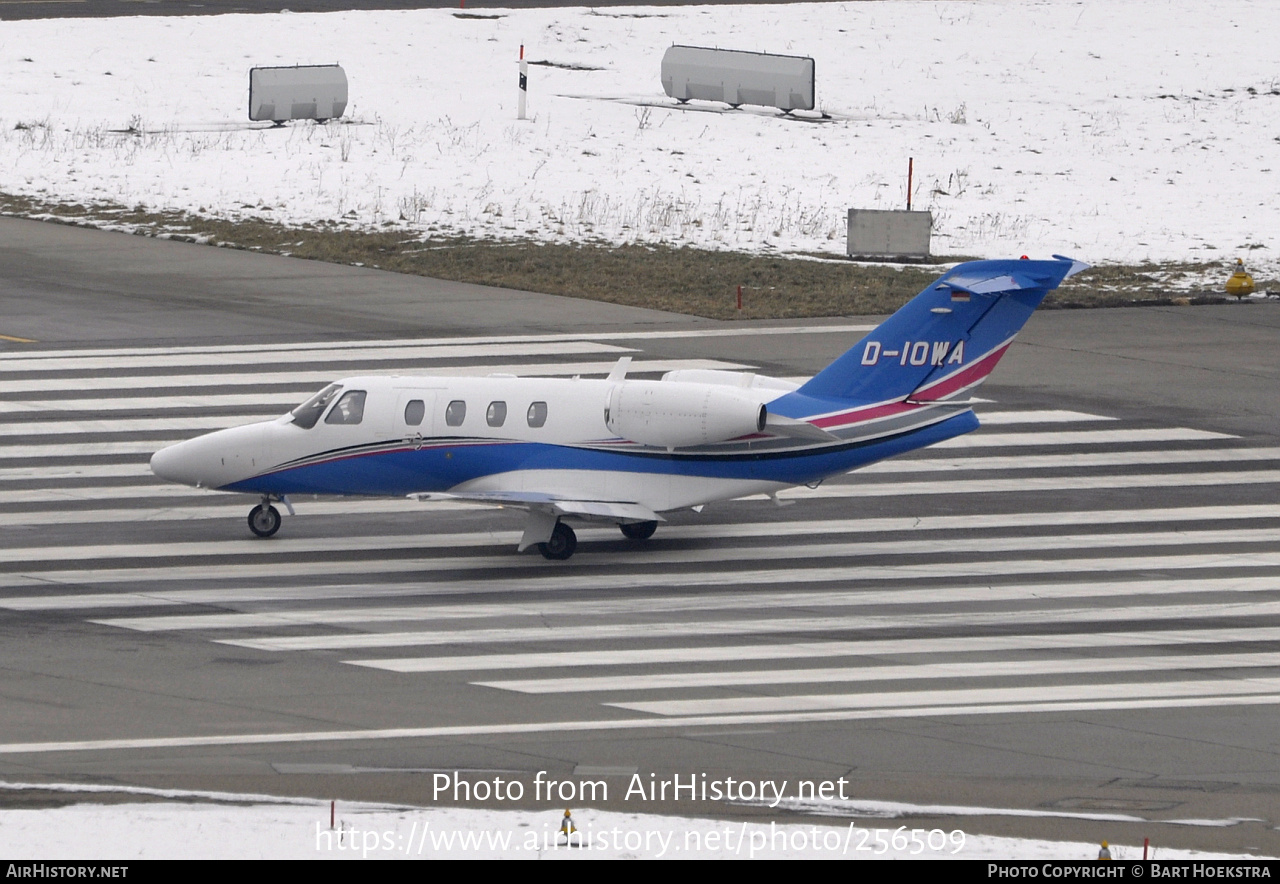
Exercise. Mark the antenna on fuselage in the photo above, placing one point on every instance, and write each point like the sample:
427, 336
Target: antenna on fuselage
619, 372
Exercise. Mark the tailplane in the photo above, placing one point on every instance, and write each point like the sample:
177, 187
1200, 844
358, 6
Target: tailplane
946, 340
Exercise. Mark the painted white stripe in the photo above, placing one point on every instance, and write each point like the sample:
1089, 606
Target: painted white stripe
136, 470
959, 698
680, 602
85, 449
234, 507
871, 489
953, 669
980, 439
70, 493
646, 558
818, 650
128, 425
718, 531
1001, 418
1028, 483
976, 569
10, 359
314, 380
279, 402
1040, 592
1064, 461
626, 724
606, 632
268, 355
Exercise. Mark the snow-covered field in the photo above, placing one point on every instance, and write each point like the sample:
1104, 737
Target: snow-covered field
1112, 130
205, 825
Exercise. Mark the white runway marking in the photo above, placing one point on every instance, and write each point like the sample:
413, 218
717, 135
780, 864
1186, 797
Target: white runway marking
1003, 418
123, 363
818, 650
14, 360
953, 669
1215, 566
1030, 483
695, 721
651, 604
1065, 461
711, 629
960, 698
980, 439
313, 380
716, 531
128, 425
980, 568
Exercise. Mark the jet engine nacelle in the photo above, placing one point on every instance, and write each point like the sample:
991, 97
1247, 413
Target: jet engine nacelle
677, 415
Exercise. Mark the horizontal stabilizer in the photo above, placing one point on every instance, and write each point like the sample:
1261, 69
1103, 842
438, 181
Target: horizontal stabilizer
796, 429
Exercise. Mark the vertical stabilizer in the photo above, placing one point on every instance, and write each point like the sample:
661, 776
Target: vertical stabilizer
947, 339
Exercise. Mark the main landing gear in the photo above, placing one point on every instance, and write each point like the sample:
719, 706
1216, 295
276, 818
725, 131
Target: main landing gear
637, 530
562, 544
563, 541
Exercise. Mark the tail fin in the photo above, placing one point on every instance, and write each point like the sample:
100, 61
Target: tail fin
947, 339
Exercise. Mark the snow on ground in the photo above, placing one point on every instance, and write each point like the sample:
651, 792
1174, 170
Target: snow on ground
262, 827
1111, 130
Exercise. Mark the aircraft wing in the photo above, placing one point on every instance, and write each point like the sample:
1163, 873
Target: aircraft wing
545, 509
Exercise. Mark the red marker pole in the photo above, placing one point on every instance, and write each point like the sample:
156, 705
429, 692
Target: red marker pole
911, 162
331, 809
739, 297
524, 82
1145, 842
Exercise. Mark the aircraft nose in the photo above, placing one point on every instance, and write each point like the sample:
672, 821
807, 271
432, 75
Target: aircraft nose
175, 464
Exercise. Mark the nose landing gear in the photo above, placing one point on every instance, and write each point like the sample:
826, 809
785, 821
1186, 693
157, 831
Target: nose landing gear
264, 520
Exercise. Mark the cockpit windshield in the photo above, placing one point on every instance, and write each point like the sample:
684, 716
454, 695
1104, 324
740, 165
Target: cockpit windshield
306, 414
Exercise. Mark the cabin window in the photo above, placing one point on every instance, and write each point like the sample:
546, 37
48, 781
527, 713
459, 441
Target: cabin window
496, 416
456, 413
349, 410
537, 414
414, 412
306, 414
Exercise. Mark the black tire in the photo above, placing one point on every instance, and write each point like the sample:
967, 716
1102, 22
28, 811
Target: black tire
264, 520
637, 530
562, 544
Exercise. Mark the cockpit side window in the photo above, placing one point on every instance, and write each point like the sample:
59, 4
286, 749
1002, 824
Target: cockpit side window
349, 410
306, 414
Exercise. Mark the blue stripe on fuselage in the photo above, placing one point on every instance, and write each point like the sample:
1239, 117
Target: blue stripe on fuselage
401, 472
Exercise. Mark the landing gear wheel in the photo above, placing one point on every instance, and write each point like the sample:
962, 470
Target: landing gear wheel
264, 520
562, 544
638, 530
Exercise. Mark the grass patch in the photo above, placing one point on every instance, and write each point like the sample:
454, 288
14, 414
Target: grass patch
683, 280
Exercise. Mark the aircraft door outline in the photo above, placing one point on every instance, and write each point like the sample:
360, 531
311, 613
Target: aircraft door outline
419, 406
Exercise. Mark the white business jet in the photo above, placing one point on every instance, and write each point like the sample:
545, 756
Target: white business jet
626, 451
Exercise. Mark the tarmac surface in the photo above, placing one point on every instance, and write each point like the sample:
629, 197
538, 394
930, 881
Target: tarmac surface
1071, 617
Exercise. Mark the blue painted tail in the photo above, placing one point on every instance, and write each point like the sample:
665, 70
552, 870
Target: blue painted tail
945, 340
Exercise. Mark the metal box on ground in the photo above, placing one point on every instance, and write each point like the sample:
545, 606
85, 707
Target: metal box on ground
304, 92
781, 81
889, 235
